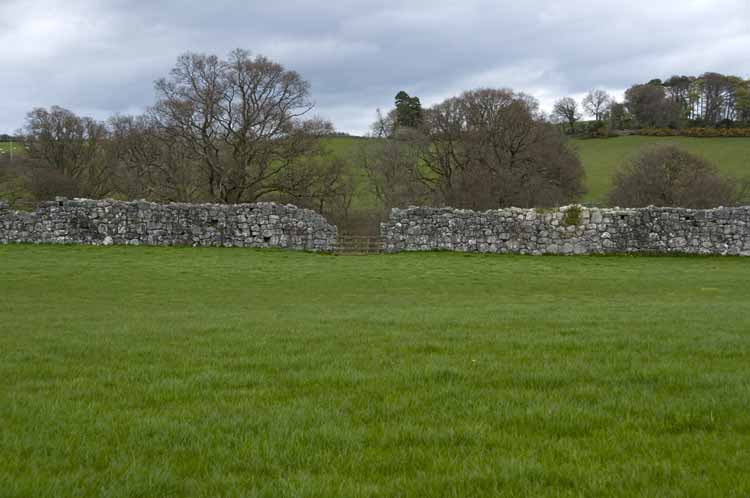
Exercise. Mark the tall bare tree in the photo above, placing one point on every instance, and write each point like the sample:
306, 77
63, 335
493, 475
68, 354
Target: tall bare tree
241, 117
152, 163
325, 185
391, 167
71, 146
566, 110
597, 103
490, 148
384, 125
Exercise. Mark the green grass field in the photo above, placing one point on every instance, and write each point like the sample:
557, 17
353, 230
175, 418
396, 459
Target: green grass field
154, 372
5, 149
601, 157
348, 148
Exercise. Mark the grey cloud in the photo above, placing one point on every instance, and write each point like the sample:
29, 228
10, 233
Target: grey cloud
101, 57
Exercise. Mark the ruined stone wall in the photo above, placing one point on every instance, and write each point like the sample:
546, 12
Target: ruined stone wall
83, 221
570, 230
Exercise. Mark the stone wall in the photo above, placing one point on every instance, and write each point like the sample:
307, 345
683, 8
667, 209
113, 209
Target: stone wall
567, 230
83, 221
570, 230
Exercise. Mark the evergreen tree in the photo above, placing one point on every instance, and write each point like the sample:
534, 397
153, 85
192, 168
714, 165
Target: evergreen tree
408, 110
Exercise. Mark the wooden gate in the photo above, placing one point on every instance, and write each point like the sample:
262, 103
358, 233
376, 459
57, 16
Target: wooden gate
358, 244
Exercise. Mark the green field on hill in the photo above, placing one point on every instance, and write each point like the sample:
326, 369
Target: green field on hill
5, 148
187, 372
601, 157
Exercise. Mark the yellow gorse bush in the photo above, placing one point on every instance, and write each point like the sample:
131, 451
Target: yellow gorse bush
695, 132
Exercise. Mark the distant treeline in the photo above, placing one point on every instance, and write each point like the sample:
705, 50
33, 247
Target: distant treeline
711, 100
239, 129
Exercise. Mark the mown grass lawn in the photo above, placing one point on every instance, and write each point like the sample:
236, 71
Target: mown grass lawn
150, 372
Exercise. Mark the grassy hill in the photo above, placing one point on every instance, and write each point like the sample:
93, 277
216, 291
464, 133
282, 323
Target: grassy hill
232, 372
5, 149
601, 157
346, 148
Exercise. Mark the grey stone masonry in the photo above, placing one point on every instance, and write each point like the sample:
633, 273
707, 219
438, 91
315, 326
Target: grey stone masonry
570, 230
105, 222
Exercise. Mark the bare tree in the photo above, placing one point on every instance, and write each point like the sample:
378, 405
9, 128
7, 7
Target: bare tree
391, 167
490, 148
566, 110
384, 126
597, 103
152, 163
325, 185
667, 175
241, 119
72, 146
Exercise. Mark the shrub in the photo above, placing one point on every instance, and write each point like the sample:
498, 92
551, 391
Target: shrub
717, 132
47, 183
572, 216
667, 175
696, 132
597, 129
14, 188
658, 132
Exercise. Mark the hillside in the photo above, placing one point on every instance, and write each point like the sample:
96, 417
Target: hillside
602, 157
5, 148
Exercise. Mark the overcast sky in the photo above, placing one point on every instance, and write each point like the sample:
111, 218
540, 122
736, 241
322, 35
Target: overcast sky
100, 57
